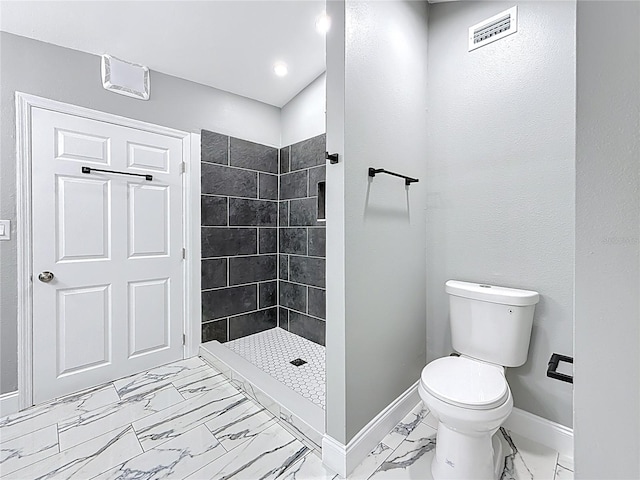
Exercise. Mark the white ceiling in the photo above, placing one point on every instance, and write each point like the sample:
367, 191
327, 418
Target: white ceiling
230, 45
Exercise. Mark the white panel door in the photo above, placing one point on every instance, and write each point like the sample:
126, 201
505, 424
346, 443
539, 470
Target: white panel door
113, 243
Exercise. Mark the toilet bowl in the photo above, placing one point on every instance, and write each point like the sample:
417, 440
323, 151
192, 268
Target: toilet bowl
470, 399
468, 393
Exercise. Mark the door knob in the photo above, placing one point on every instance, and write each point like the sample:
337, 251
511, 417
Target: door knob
46, 277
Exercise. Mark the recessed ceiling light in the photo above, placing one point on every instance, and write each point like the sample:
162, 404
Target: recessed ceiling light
280, 69
323, 23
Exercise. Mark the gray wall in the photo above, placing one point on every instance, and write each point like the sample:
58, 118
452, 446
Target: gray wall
303, 116
500, 179
607, 327
73, 77
335, 353
378, 225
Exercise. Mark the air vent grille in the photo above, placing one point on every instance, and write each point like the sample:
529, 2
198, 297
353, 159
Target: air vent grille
499, 26
494, 28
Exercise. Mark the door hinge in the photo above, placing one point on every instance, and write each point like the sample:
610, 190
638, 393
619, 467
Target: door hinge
184, 339
184, 253
183, 167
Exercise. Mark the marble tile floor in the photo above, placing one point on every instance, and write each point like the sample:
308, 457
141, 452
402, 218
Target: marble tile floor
185, 420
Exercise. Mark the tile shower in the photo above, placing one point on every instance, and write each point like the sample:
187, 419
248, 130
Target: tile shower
263, 267
301, 262
239, 202
263, 238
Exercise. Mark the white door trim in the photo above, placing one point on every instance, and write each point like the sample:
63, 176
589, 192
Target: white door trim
24, 105
8, 403
193, 328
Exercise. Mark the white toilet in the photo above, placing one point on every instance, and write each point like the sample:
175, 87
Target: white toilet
469, 394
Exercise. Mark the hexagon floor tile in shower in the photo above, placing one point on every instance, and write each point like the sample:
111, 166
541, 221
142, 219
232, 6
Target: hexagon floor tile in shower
272, 351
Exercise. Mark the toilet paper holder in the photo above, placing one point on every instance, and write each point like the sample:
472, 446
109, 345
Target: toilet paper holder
555, 360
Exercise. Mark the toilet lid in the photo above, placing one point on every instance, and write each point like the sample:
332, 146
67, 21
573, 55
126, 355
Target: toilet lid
465, 382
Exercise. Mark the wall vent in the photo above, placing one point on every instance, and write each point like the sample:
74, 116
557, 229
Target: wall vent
494, 28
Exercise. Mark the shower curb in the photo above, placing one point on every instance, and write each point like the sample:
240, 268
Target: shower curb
301, 417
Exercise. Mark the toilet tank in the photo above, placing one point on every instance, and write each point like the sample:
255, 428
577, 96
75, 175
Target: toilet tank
491, 323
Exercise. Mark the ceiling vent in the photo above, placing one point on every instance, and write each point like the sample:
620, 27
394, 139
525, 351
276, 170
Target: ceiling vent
494, 28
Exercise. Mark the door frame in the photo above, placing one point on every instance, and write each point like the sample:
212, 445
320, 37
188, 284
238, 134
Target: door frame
190, 220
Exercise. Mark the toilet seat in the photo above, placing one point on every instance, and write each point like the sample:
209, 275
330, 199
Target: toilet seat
466, 383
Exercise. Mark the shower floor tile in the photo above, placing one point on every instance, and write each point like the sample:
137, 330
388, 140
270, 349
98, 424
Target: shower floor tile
273, 350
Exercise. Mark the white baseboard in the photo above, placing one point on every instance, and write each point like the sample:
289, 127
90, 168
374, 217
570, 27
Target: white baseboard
342, 459
9, 403
334, 455
542, 431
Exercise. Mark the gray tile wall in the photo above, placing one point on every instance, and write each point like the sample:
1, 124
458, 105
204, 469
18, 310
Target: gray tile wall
301, 237
263, 248
239, 237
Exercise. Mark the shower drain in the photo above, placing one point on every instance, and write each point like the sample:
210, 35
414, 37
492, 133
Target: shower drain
297, 362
